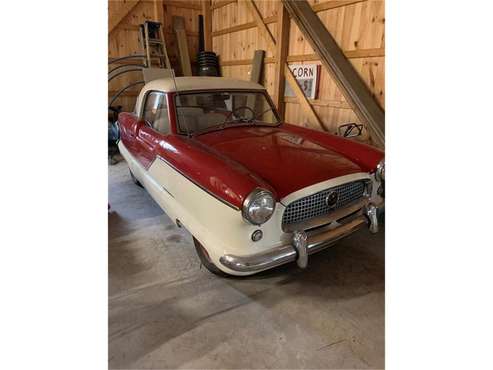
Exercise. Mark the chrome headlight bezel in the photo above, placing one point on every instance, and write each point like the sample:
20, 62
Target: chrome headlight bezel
253, 199
380, 172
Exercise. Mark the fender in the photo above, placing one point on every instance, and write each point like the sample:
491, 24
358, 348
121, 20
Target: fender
224, 178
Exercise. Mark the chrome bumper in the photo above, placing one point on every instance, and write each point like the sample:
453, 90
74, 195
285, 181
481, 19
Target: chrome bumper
302, 245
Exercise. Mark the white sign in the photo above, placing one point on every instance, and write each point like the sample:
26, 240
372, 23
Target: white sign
308, 76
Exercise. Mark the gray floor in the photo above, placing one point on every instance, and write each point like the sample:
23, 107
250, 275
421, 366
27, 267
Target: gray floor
165, 311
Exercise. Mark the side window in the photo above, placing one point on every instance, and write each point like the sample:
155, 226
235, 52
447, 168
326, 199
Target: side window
156, 112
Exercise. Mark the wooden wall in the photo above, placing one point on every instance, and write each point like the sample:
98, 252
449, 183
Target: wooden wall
358, 27
123, 39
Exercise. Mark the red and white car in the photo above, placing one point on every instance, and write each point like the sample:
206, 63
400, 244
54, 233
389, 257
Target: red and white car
254, 192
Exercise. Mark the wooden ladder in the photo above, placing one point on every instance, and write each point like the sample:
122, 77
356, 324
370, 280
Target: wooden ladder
153, 44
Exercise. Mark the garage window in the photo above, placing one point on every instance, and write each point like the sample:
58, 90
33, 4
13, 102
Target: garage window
156, 112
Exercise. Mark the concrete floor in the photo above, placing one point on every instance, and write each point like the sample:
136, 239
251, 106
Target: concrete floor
165, 311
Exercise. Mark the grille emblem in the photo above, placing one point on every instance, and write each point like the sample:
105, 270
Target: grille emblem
332, 199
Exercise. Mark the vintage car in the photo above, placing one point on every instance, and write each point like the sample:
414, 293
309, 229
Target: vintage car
253, 191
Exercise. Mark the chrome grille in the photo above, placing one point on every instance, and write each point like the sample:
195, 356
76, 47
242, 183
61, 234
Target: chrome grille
315, 205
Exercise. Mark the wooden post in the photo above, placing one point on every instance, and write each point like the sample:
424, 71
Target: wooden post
281, 56
305, 104
181, 39
257, 64
352, 86
255, 74
207, 13
159, 11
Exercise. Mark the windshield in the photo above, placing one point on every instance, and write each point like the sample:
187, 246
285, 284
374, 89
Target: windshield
214, 110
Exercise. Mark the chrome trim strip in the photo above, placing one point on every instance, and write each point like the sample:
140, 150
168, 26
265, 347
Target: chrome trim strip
197, 184
166, 190
287, 253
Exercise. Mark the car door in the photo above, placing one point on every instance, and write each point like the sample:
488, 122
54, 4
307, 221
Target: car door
156, 128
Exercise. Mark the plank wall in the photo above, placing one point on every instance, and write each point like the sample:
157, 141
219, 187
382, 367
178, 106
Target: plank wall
357, 26
123, 39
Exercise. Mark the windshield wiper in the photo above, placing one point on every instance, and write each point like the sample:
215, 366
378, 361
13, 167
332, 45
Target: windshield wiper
256, 117
240, 121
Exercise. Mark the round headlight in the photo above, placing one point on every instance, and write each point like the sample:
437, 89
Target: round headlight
258, 207
380, 172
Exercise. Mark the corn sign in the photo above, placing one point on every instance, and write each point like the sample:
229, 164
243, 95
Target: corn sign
308, 77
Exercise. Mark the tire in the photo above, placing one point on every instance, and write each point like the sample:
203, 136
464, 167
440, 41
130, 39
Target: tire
134, 179
206, 261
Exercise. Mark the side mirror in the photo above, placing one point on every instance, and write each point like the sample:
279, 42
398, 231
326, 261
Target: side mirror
350, 129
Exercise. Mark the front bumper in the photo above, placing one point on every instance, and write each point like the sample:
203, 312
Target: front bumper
302, 245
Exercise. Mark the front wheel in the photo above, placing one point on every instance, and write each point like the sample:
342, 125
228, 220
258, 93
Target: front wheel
206, 260
134, 179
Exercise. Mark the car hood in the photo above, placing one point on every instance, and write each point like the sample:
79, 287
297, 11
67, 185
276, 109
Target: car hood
287, 161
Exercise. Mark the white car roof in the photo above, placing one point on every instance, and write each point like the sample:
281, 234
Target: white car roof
194, 83
199, 83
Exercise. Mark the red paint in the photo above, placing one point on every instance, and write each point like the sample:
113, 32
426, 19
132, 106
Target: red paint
232, 162
287, 162
366, 156
222, 176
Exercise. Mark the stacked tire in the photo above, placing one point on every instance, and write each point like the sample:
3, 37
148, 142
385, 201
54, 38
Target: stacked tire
208, 64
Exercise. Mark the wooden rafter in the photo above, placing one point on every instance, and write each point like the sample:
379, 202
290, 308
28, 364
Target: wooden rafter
332, 57
306, 106
116, 17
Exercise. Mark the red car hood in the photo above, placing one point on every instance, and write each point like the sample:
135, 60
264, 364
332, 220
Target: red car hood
285, 160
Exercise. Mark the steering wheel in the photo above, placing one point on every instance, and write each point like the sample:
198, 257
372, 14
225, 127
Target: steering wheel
238, 108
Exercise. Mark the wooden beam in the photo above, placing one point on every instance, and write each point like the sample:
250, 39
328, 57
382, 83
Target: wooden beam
334, 4
244, 62
207, 13
349, 81
320, 102
183, 5
281, 55
351, 54
255, 76
244, 26
158, 10
115, 18
220, 4
365, 53
181, 40
257, 65
307, 108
